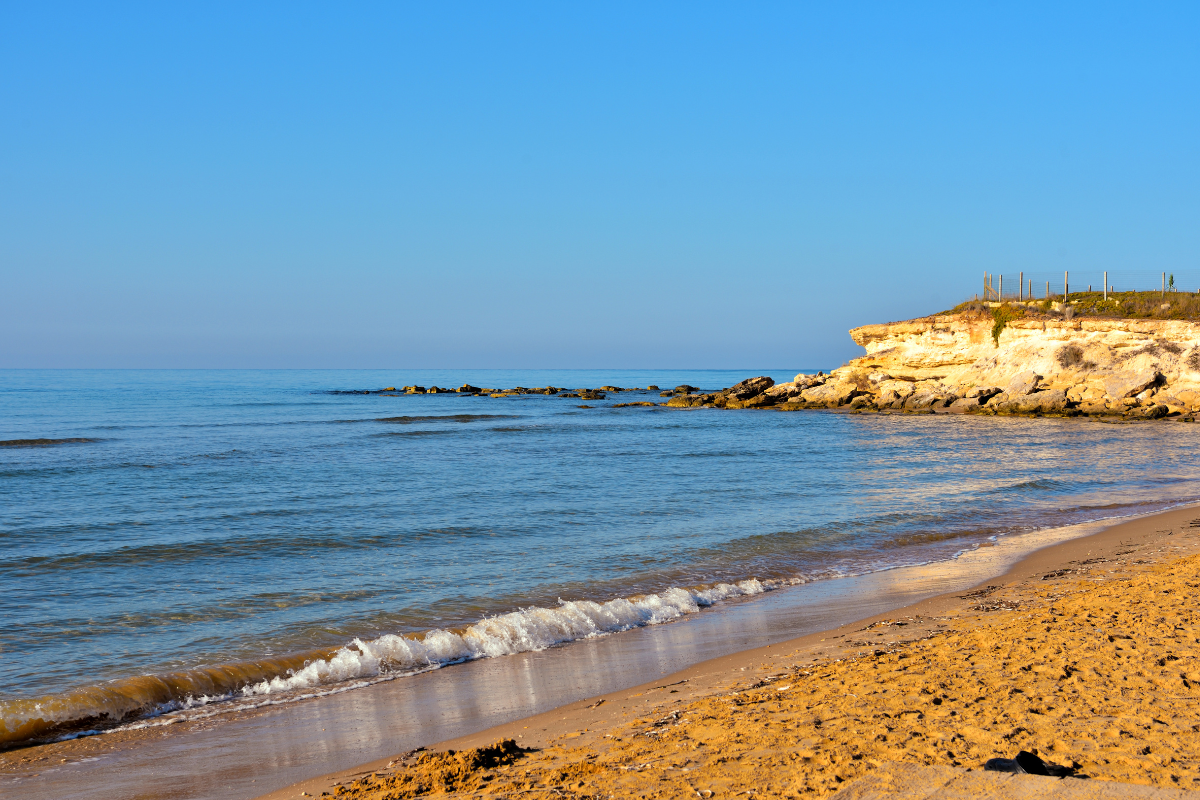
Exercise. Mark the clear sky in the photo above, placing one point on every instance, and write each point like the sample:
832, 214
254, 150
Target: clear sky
639, 185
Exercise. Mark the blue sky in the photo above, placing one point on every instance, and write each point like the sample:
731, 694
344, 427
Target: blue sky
519, 185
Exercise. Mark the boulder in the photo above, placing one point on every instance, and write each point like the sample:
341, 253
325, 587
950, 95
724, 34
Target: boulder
469, 389
689, 400
782, 391
831, 395
919, 400
1048, 402
749, 388
1094, 407
1023, 383
684, 389
983, 393
996, 401
1124, 385
892, 392
964, 405
763, 400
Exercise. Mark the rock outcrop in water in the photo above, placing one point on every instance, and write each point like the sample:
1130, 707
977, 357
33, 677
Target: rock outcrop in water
1010, 361
976, 363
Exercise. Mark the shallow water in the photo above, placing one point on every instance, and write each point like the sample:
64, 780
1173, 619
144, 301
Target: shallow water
225, 528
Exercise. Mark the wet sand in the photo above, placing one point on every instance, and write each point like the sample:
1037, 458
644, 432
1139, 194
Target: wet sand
551, 699
1087, 652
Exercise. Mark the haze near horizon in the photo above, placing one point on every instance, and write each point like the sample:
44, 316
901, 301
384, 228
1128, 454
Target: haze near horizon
568, 186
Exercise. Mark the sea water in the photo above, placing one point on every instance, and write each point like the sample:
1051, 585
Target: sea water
213, 537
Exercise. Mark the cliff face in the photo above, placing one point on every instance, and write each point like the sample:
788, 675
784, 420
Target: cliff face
1054, 365
1148, 368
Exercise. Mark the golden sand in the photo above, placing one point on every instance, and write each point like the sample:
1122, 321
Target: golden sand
1096, 668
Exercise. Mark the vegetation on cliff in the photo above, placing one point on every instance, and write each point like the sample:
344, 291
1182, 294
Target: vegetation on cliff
1118, 305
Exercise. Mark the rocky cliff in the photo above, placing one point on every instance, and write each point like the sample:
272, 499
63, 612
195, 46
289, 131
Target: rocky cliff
971, 362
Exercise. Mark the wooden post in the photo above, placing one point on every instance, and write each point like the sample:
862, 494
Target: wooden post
1000, 292
1106, 286
1047, 290
1021, 287
1066, 286
1164, 286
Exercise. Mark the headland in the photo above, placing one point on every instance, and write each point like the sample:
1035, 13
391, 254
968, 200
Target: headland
1035, 358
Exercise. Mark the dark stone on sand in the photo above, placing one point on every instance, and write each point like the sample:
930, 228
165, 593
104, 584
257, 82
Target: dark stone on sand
1027, 763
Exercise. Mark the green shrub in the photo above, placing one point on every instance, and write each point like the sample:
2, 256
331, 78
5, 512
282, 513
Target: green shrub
1001, 316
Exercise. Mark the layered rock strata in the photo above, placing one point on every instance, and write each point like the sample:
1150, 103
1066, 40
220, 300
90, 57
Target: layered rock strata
967, 363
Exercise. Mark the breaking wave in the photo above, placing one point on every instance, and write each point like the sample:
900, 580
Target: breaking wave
359, 663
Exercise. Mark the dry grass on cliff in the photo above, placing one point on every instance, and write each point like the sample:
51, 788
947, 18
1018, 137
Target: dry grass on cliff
1119, 305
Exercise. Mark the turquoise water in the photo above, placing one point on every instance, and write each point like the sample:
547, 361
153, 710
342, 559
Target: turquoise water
230, 534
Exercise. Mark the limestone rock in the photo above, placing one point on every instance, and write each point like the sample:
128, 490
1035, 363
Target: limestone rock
782, 391
964, 405
1098, 365
1023, 383
749, 388
689, 400
983, 393
892, 391
1047, 402
831, 394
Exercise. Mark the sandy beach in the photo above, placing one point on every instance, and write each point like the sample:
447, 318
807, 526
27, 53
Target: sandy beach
1084, 652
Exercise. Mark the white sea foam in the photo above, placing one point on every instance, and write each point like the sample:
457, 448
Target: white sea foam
506, 634
155, 702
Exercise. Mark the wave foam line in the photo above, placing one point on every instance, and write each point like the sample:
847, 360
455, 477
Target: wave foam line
124, 701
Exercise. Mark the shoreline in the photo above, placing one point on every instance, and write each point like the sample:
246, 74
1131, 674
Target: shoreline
266, 745
586, 723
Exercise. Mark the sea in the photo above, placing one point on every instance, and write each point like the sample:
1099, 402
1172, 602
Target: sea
174, 540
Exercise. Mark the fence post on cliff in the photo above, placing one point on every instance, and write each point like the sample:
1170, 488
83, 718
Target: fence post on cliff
1164, 286
1000, 290
1106, 286
1066, 285
1021, 287
1047, 290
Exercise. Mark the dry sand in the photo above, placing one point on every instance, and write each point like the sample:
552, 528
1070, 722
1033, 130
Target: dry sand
1087, 652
